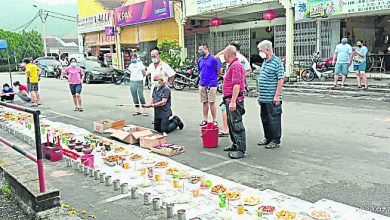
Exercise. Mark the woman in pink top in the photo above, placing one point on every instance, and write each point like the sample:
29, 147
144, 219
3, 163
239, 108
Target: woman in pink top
75, 76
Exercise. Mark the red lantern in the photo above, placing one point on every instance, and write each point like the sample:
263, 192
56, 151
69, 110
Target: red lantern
269, 15
216, 22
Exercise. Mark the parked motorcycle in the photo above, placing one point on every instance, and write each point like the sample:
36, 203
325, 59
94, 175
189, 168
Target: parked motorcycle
321, 69
121, 76
190, 78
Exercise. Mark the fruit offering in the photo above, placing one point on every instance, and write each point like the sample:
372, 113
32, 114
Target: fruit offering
135, 157
285, 215
233, 195
218, 189
320, 214
161, 164
171, 170
251, 201
267, 209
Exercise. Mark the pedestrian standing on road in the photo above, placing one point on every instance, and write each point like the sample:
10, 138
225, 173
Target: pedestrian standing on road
23, 92
233, 98
33, 73
342, 59
161, 103
137, 75
159, 66
360, 64
75, 75
271, 79
7, 94
245, 63
210, 69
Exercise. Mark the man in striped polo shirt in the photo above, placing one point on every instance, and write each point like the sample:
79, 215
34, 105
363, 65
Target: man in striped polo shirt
270, 95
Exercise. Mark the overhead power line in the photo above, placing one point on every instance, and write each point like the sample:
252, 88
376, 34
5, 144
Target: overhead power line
27, 24
65, 19
61, 14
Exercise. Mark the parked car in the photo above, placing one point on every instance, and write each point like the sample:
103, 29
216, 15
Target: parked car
94, 72
49, 67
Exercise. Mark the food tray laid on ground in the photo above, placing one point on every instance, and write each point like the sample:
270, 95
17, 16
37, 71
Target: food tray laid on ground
161, 164
135, 157
251, 201
113, 160
168, 149
267, 209
320, 214
232, 196
285, 215
171, 170
218, 189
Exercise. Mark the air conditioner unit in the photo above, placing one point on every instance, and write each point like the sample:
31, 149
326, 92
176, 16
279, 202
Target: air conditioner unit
195, 23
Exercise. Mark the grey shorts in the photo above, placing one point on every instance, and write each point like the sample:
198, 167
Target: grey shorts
33, 87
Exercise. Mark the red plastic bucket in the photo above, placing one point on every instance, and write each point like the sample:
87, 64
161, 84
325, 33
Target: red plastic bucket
87, 160
210, 135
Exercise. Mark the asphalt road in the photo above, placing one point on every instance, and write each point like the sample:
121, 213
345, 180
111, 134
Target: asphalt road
331, 148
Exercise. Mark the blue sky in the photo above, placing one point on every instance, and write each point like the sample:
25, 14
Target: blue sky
16, 13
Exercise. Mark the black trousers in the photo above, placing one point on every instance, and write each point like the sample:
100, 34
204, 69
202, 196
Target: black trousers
271, 117
7, 98
236, 126
165, 125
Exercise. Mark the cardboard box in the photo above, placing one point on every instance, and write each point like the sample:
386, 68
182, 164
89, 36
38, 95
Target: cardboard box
102, 125
152, 140
129, 134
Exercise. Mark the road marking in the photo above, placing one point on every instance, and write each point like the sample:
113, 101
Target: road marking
65, 115
115, 198
320, 113
274, 171
217, 165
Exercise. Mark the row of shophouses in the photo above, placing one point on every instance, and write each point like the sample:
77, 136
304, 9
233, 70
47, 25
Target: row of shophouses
297, 28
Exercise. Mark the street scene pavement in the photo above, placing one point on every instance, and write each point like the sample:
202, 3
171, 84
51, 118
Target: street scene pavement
332, 148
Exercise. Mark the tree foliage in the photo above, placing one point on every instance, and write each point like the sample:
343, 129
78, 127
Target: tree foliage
170, 53
25, 44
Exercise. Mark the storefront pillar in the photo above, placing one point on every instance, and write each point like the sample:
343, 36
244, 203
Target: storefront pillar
181, 24
289, 38
119, 49
318, 44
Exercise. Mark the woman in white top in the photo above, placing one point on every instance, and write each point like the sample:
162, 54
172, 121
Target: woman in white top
137, 75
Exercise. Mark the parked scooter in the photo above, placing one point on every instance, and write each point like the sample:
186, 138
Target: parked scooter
121, 76
189, 77
321, 69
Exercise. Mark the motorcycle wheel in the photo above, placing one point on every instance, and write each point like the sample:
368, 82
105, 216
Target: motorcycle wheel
308, 75
119, 81
220, 85
177, 85
197, 83
126, 81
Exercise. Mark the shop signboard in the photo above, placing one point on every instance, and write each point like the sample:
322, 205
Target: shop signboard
327, 8
94, 23
3, 45
92, 39
110, 31
142, 12
211, 5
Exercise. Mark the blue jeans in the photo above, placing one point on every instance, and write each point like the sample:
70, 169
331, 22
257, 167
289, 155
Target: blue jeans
271, 117
165, 125
137, 92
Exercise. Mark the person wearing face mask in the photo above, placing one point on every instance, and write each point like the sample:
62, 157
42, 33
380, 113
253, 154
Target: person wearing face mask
209, 68
233, 98
23, 92
75, 76
7, 94
159, 66
360, 64
271, 79
161, 103
137, 74
343, 54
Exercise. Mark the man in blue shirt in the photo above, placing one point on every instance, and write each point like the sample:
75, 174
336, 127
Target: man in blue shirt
343, 55
360, 64
270, 81
7, 94
161, 103
209, 68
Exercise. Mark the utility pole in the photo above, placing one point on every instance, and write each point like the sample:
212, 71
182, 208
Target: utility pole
43, 15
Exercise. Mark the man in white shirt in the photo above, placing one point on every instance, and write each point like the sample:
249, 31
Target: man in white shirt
248, 70
159, 66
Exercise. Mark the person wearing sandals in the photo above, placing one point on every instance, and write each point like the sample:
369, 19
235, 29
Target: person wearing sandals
137, 74
75, 75
233, 98
33, 74
271, 79
360, 64
342, 59
209, 68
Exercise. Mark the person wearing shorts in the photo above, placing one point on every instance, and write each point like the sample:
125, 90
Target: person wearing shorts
33, 72
75, 76
210, 69
343, 55
360, 64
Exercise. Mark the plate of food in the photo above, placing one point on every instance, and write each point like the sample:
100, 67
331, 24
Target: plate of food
118, 149
285, 215
194, 179
184, 175
232, 196
161, 164
171, 170
251, 200
218, 189
319, 214
148, 160
135, 157
113, 160
267, 209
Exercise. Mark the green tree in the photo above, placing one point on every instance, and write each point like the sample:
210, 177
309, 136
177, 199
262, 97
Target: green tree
170, 53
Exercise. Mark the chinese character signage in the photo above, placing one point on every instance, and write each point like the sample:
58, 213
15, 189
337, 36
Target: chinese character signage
94, 23
147, 11
210, 5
